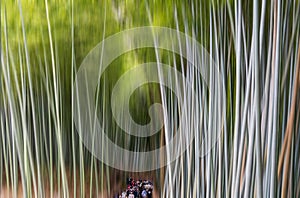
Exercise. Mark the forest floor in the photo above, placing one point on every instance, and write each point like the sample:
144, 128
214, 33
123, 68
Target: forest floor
117, 185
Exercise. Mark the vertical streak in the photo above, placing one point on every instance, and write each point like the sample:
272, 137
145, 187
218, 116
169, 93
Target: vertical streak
237, 92
72, 99
56, 96
275, 68
256, 102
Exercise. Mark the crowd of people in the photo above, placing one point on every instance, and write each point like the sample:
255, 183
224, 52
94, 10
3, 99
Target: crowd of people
137, 189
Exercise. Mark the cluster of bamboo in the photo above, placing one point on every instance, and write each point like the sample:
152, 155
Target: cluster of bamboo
254, 44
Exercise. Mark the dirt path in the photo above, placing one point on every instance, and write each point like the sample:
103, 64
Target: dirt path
117, 184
